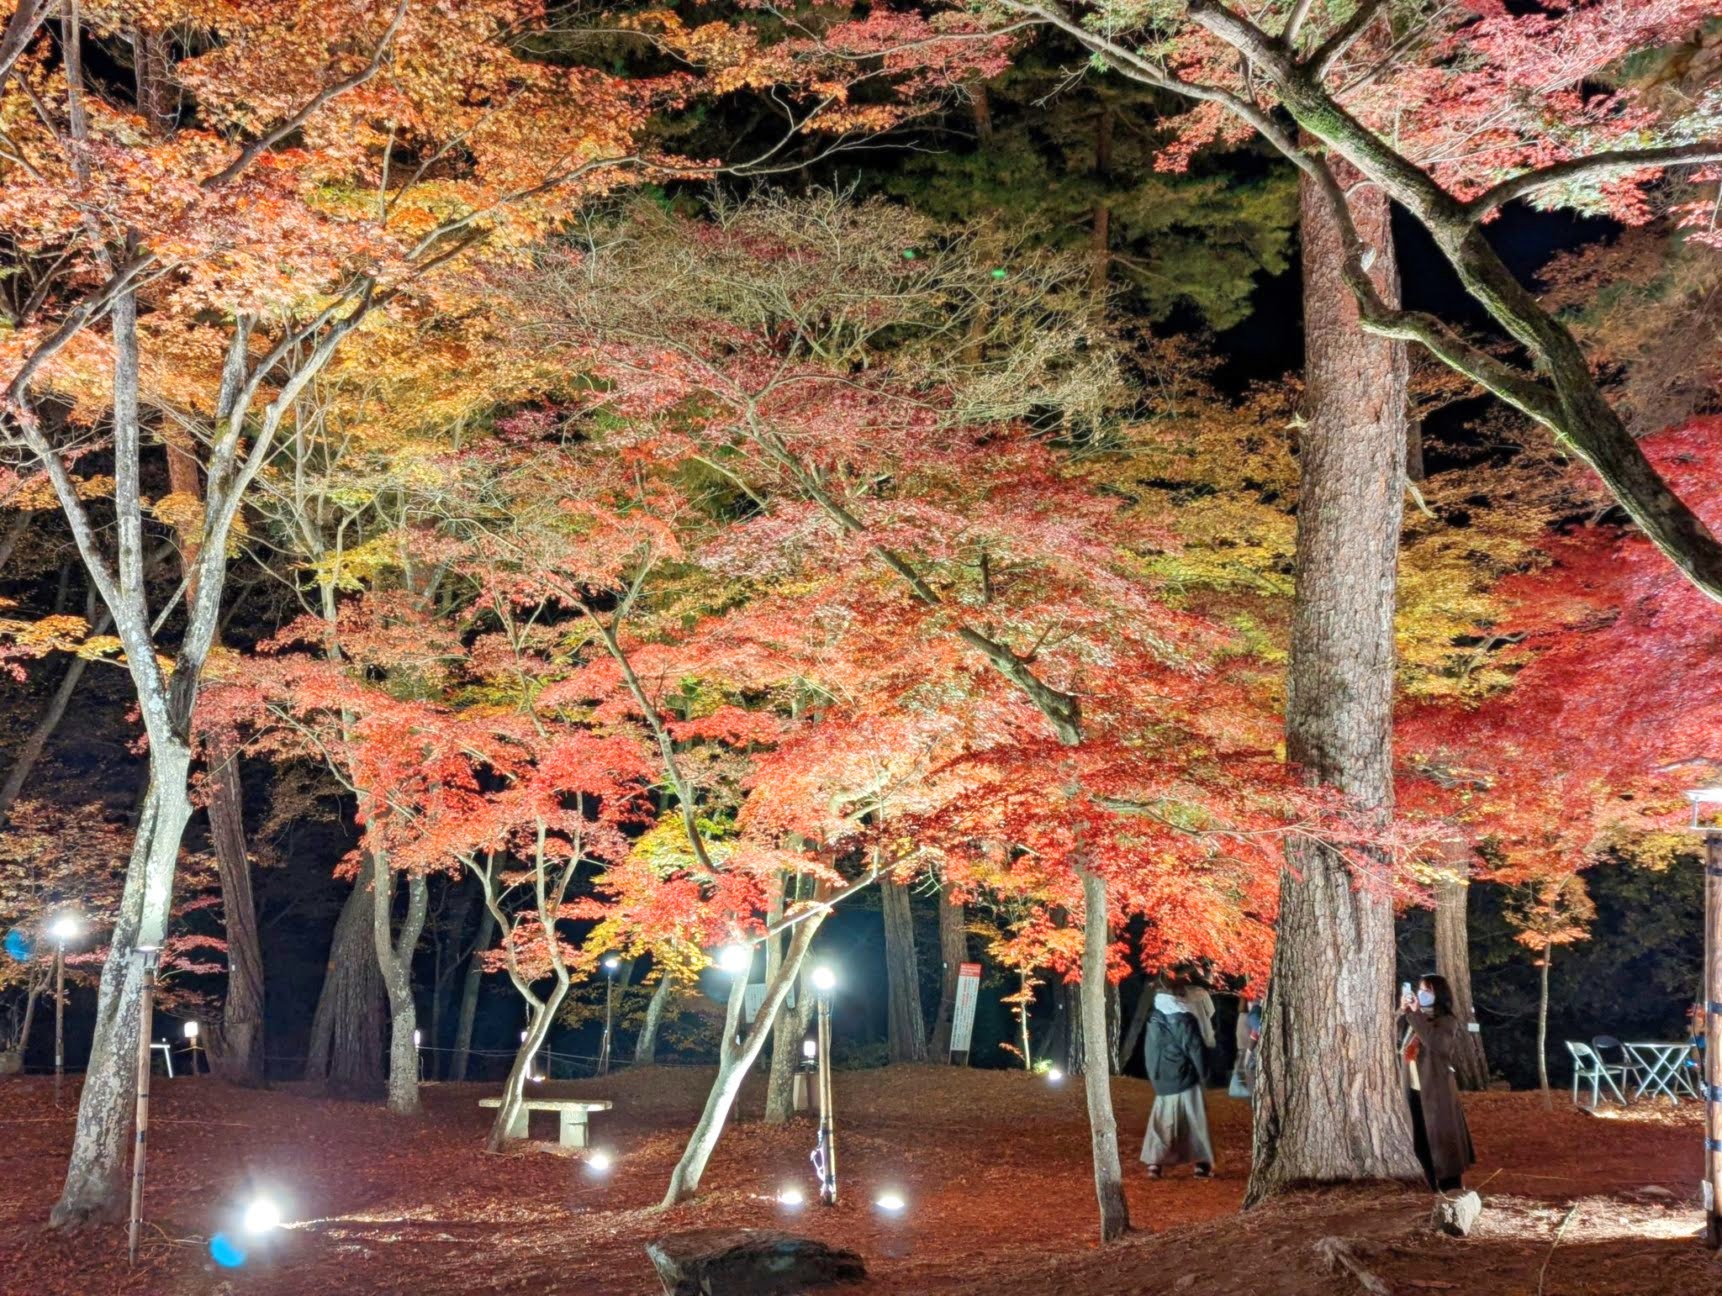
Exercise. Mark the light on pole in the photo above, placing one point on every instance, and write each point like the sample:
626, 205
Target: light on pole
825, 1150
191, 1037
65, 928
610, 964
1706, 805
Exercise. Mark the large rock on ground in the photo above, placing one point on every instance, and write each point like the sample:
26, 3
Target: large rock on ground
1457, 1216
748, 1262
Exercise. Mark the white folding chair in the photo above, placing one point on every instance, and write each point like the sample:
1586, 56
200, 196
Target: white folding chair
1589, 1066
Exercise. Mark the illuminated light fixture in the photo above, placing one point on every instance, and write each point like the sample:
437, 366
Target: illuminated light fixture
191, 1030
1705, 801
65, 928
791, 1197
612, 963
735, 959
824, 979
599, 1162
416, 1038
261, 1216
1054, 1075
890, 1202
809, 1049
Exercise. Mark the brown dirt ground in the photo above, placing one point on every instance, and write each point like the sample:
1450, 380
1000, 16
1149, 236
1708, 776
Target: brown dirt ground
994, 1166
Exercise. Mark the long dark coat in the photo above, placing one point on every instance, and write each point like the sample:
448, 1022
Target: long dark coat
1450, 1148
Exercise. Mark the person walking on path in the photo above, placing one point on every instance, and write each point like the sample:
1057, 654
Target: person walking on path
1178, 1123
1439, 1134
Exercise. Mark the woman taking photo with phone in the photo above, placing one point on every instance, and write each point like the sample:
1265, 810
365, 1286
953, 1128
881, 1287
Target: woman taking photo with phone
1438, 1130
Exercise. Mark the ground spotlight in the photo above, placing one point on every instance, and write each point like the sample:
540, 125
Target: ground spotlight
263, 1215
599, 1161
891, 1203
791, 1196
1054, 1075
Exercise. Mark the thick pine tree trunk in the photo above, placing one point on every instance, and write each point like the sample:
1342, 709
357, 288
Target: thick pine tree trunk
395, 958
469, 996
1096, 1071
1329, 1106
94, 1187
953, 953
1453, 961
646, 1046
237, 1050
905, 1031
346, 1051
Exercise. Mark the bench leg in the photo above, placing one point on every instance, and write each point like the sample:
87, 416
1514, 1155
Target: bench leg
573, 1133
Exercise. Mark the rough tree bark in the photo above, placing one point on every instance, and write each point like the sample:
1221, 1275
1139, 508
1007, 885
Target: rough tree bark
469, 996
236, 1049
346, 1052
646, 1046
953, 953
395, 959
1453, 961
906, 1036
734, 1060
1096, 1071
1329, 1106
786, 1037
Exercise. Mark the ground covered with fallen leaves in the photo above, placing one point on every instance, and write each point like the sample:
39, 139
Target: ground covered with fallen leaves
993, 1165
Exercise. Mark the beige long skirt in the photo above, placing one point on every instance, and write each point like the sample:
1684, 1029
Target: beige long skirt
1178, 1130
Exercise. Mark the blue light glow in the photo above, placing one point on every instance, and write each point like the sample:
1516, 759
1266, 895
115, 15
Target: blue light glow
17, 945
226, 1252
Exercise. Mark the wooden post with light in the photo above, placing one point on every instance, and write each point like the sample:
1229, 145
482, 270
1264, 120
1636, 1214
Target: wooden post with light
1706, 806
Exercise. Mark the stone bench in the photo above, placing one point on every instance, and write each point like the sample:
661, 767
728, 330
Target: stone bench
571, 1111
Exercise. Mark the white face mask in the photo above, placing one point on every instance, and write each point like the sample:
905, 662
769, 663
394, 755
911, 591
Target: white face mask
1426, 998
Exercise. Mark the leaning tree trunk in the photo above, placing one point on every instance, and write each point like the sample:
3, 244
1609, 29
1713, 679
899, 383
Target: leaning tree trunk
395, 958
1329, 1106
1096, 1073
540, 1016
786, 1038
906, 1035
237, 1048
1453, 961
346, 1053
953, 953
646, 1046
31, 749
469, 995
734, 1060
94, 1187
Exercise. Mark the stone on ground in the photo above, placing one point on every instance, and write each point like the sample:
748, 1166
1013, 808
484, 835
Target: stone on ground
748, 1262
1457, 1216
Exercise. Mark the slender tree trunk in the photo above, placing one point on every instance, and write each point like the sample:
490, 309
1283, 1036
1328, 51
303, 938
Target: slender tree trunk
1453, 961
31, 749
953, 953
395, 958
786, 1040
1329, 1106
1100, 228
95, 1178
646, 1046
1543, 1025
237, 1052
540, 1016
15, 529
1096, 1074
469, 996
733, 1063
38, 985
346, 1050
905, 1033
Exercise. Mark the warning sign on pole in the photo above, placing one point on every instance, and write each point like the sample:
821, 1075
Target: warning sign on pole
963, 1012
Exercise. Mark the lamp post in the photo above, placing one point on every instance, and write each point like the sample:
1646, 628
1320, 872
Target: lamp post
610, 964
1706, 805
65, 928
825, 1150
191, 1037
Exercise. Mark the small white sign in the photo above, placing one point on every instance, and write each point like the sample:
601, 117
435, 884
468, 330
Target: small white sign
963, 1012
751, 1000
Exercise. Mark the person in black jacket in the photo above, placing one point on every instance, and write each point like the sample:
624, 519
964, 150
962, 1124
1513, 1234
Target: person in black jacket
1178, 1123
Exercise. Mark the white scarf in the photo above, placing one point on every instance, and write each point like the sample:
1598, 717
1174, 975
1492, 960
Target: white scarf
1169, 1003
